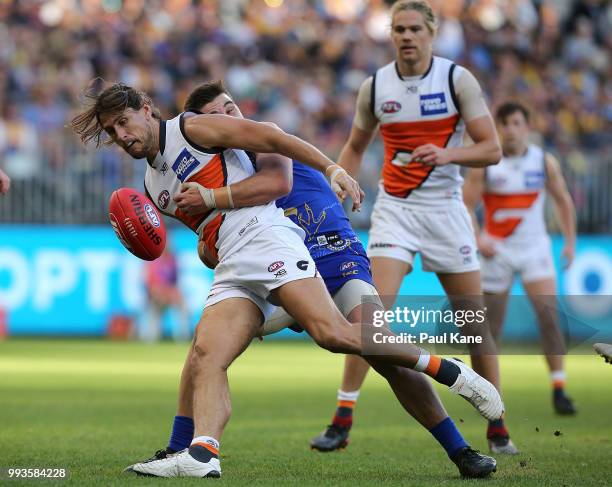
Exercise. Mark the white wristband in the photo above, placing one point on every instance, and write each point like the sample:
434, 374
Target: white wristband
229, 197
208, 195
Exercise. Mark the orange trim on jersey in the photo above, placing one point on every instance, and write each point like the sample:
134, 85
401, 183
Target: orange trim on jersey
404, 137
495, 202
209, 447
212, 175
210, 235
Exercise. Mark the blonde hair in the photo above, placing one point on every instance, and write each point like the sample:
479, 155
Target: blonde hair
421, 6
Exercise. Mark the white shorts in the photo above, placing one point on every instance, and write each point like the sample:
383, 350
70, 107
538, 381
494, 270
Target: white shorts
532, 261
348, 297
274, 257
443, 236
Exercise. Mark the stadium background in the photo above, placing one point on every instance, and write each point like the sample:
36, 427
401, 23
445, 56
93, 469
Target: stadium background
93, 405
295, 62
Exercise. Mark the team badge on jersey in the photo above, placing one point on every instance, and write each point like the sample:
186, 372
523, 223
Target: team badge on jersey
433, 104
163, 199
391, 107
184, 165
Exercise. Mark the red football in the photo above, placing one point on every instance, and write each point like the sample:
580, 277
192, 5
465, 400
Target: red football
137, 223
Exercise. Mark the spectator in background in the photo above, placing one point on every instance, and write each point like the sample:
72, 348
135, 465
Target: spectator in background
19, 149
299, 65
163, 293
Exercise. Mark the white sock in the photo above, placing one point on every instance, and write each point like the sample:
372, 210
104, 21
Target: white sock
348, 396
557, 375
423, 361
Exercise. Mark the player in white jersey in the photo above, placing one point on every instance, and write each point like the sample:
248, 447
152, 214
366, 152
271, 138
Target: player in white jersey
5, 182
422, 105
246, 280
514, 239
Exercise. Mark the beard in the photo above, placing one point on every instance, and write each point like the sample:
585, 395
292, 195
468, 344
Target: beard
142, 147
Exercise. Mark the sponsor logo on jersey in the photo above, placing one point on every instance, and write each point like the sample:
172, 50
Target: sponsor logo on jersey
433, 104
252, 222
302, 265
151, 215
354, 272
381, 245
164, 168
282, 272
391, 107
534, 179
348, 265
335, 242
274, 266
465, 250
163, 199
321, 239
184, 165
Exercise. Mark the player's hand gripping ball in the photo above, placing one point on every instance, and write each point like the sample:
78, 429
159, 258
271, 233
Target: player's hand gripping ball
137, 223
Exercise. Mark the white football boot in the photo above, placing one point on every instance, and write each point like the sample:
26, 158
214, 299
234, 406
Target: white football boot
181, 464
478, 391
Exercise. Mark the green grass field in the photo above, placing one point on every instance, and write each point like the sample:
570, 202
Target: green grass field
94, 407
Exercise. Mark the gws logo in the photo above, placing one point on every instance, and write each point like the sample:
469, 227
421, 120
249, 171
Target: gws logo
391, 107
151, 215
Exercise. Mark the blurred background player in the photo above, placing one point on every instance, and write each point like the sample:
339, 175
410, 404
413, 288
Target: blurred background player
423, 105
342, 262
514, 239
163, 294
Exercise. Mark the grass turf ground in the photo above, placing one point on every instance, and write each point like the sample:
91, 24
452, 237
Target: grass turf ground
94, 407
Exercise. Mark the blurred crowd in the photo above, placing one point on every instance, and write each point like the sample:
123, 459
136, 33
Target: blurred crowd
298, 63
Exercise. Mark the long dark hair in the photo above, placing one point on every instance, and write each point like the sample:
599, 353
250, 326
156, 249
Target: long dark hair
112, 100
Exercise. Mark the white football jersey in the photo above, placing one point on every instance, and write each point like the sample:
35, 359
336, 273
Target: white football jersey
412, 112
181, 160
514, 196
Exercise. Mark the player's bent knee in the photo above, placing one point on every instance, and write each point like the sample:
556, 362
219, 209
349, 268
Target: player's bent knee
337, 342
203, 359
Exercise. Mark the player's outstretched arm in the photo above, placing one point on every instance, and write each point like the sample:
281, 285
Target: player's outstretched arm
235, 133
564, 207
273, 179
5, 182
